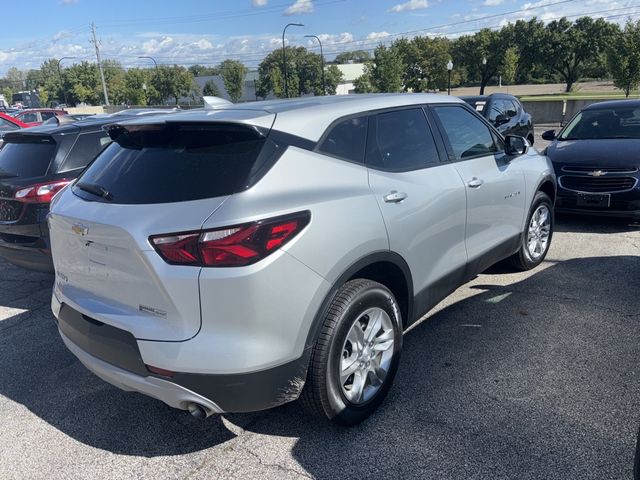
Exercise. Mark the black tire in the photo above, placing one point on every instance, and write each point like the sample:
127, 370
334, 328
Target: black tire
323, 394
522, 259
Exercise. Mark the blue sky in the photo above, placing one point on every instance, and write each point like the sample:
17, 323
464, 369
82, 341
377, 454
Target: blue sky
199, 31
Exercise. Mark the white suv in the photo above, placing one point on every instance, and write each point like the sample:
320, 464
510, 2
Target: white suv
228, 260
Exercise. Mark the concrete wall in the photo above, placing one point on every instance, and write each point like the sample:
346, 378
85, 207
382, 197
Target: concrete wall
550, 111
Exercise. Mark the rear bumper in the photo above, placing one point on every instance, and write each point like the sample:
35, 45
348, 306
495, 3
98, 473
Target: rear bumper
173, 395
113, 355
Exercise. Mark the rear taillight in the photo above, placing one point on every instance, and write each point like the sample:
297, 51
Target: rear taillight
40, 192
234, 246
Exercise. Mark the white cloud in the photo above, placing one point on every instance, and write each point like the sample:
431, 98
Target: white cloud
204, 44
258, 3
299, 7
377, 35
408, 6
492, 3
344, 37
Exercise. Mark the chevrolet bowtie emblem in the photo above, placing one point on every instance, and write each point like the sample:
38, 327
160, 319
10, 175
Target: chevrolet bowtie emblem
597, 173
79, 229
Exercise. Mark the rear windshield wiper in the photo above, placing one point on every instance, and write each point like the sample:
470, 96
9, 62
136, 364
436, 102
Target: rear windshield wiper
95, 190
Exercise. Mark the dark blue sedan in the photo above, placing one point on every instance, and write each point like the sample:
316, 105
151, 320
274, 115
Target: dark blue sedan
596, 157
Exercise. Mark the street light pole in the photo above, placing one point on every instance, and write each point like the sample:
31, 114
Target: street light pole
324, 91
484, 72
64, 91
152, 59
449, 68
284, 57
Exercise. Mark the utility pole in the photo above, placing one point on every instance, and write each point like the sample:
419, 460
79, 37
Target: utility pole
97, 45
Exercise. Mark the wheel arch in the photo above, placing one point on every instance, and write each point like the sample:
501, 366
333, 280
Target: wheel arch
385, 267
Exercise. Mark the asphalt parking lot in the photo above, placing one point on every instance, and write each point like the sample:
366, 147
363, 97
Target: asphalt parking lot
516, 375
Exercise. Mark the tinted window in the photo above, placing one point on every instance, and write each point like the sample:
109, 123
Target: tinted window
6, 125
622, 123
87, 146
512, 108
467, 135
46, 115
176, 163
29, 117
497, 108
403, 141
347, 139
27, 157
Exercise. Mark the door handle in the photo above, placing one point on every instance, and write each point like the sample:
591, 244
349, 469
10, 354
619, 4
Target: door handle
475, 182
394, 197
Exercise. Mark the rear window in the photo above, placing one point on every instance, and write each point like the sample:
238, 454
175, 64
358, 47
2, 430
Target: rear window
87, 146
27, 157
175, 163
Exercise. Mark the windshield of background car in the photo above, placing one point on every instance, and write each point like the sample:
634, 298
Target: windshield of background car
174, 163
26, 156
623, 122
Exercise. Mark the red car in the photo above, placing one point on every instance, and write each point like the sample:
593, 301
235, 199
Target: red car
35, 116
8, 123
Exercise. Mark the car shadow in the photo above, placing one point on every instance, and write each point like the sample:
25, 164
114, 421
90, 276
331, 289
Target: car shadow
594, 224
536, 378
533, 379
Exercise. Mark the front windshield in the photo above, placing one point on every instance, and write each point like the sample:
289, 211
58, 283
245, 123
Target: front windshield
622, 122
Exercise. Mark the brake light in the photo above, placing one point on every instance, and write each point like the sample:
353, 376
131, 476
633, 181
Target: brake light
40, 192
234, 246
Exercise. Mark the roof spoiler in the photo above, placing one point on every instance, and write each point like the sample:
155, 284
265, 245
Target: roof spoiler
213, 103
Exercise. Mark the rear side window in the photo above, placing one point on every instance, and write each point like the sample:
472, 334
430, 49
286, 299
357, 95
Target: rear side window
27, 156
86, 147
29, 117
347, 139
6, 125
403, 142
175, 163
46, 115
467, 134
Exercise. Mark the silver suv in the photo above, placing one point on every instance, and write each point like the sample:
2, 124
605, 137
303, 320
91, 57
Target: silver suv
234, 259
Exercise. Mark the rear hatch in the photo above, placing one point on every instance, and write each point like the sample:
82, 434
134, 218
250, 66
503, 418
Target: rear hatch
24, 159
157, 178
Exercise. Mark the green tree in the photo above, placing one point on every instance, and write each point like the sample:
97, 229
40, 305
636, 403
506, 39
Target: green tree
171, 82
82, 82
210, 89
233, 74
479, 54
362, 84
386, 70
510, 65
203, 71
528, 37
576, 47
332, 77
355, 56
114, 76
624, 58
304, 74
138, 89
425, 61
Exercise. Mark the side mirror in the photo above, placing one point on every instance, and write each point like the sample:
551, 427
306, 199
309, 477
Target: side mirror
515, 145
501, 119
549, 135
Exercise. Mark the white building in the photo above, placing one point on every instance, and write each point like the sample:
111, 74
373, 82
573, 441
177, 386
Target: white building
350, 71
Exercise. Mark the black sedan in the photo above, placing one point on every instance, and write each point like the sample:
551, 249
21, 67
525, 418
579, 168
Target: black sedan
505, 112
596, 157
